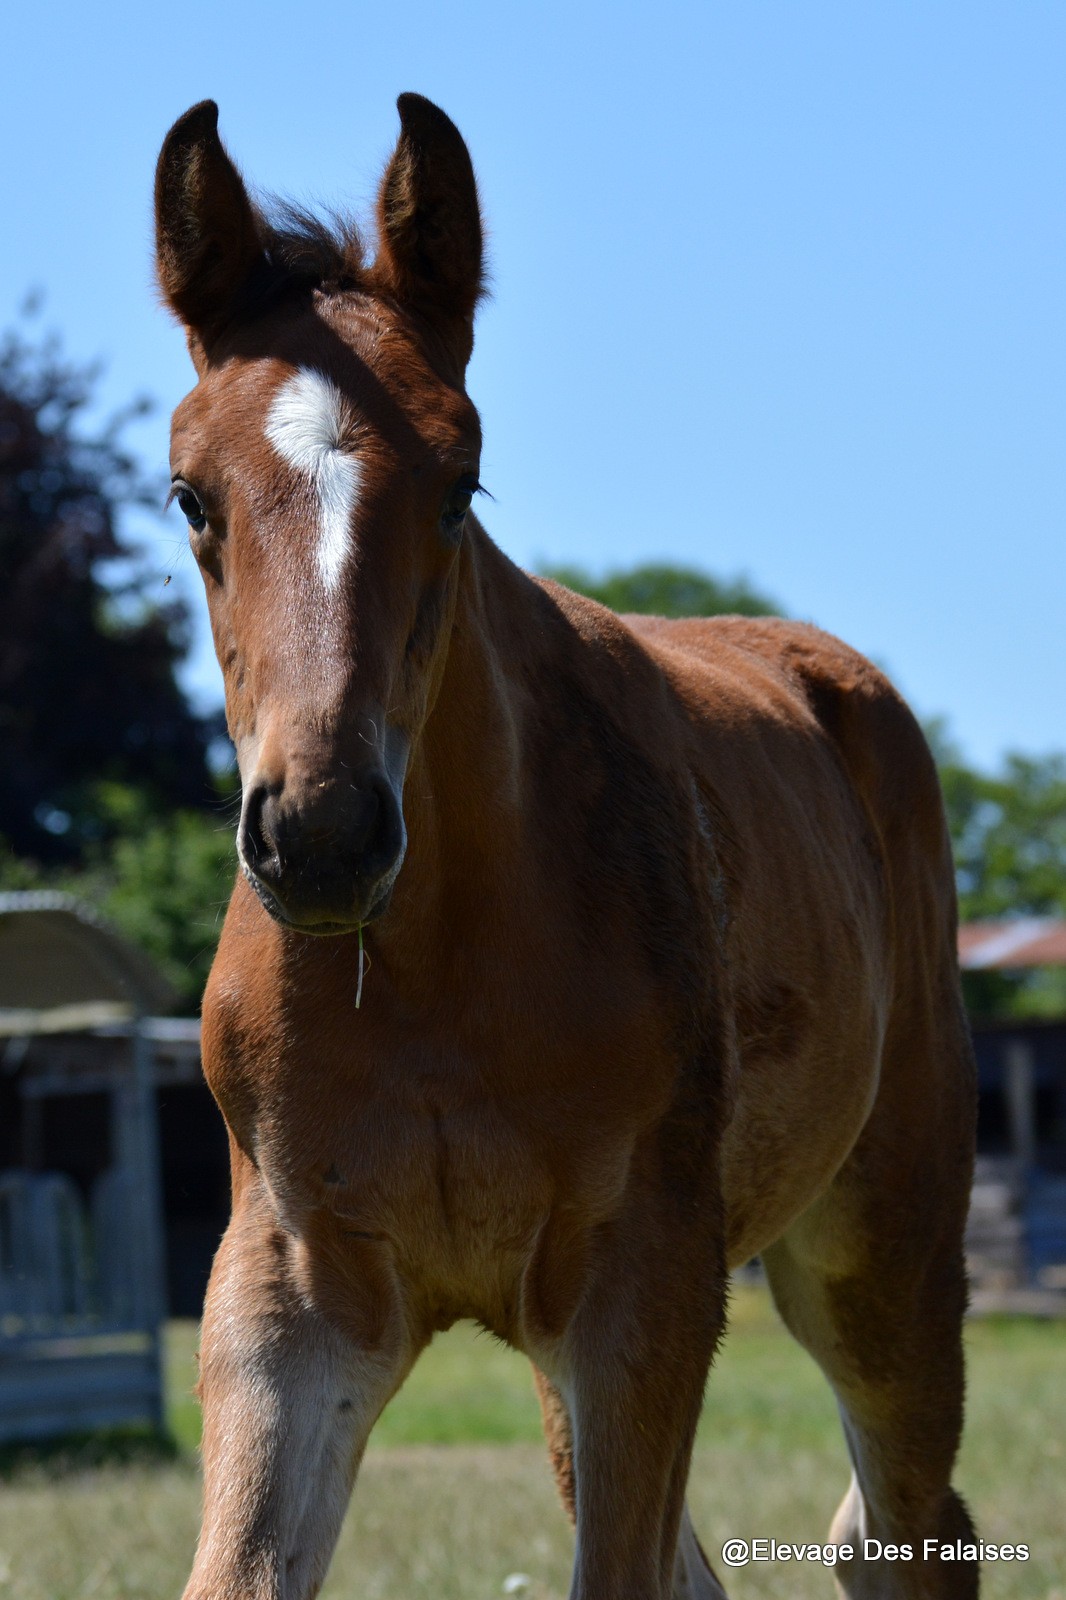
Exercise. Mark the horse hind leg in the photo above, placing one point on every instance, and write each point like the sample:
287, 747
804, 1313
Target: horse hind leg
871, 1280
559, 1438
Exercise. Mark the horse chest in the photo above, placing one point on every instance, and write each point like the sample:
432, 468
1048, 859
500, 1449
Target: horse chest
453, 1192
453, 1182
452, 1155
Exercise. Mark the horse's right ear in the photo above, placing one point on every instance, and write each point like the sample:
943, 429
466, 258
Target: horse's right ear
207, 234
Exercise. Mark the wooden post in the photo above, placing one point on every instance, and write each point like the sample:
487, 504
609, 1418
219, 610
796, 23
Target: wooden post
1018, 1060
151, 1188
135, 1136
1021, 1116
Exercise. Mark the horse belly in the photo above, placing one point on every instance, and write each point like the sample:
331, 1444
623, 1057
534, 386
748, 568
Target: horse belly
811, 958
802, 1099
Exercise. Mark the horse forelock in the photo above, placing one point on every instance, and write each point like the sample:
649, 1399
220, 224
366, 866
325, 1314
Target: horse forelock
300, 252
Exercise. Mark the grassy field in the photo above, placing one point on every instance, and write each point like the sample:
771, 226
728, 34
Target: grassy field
455, 1495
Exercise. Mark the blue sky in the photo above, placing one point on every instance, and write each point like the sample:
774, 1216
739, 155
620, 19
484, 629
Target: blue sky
778, 284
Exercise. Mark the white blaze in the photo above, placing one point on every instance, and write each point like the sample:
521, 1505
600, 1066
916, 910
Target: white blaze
306, 424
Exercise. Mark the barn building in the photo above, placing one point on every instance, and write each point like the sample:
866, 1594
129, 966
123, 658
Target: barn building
1017, 1232
83, 1071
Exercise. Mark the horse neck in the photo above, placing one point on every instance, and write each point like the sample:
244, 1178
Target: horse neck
468, 853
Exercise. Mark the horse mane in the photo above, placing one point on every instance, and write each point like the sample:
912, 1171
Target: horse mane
302, 250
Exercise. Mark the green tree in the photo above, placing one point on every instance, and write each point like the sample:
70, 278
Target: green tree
667, 591
165, 881
162, 877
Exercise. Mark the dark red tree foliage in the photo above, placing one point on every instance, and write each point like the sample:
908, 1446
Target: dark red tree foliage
88, 645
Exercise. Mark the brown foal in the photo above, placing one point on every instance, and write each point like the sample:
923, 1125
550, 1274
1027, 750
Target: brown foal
659, 936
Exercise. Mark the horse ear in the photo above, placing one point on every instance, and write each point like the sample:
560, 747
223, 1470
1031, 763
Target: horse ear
207, 233
429, 222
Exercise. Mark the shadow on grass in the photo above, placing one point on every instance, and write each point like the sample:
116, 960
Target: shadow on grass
73, 1453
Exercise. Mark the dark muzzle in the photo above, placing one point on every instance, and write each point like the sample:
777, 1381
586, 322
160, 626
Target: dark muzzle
323, 859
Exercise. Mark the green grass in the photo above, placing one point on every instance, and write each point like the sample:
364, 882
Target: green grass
470, 1389
455, 1493
467, 1389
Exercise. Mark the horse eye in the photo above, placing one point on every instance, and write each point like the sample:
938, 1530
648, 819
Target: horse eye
191, 508
458, 504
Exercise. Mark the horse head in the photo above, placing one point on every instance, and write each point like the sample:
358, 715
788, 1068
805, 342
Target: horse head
325, 461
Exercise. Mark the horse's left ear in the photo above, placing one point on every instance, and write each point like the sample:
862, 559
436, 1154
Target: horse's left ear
429, 223
207, 233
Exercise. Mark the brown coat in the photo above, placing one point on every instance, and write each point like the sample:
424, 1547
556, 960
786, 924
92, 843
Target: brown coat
658, 929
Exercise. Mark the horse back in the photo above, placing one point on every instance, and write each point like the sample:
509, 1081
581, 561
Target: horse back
766, 694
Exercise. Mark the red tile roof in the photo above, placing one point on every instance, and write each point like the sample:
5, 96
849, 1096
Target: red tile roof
1013, 942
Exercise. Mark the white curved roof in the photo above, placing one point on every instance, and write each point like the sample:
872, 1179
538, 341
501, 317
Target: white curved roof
63, 968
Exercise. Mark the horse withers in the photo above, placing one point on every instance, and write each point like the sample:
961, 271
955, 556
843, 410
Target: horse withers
574, 959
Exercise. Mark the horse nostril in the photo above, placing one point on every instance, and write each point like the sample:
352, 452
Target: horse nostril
255, 847
382, 827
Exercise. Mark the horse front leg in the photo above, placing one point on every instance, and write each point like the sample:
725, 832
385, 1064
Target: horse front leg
693, 1577
622, 1399
290, 1385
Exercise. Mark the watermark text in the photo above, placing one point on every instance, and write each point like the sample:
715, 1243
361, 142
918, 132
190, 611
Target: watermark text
742, 1552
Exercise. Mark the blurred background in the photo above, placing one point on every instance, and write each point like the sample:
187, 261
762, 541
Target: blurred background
776, 325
